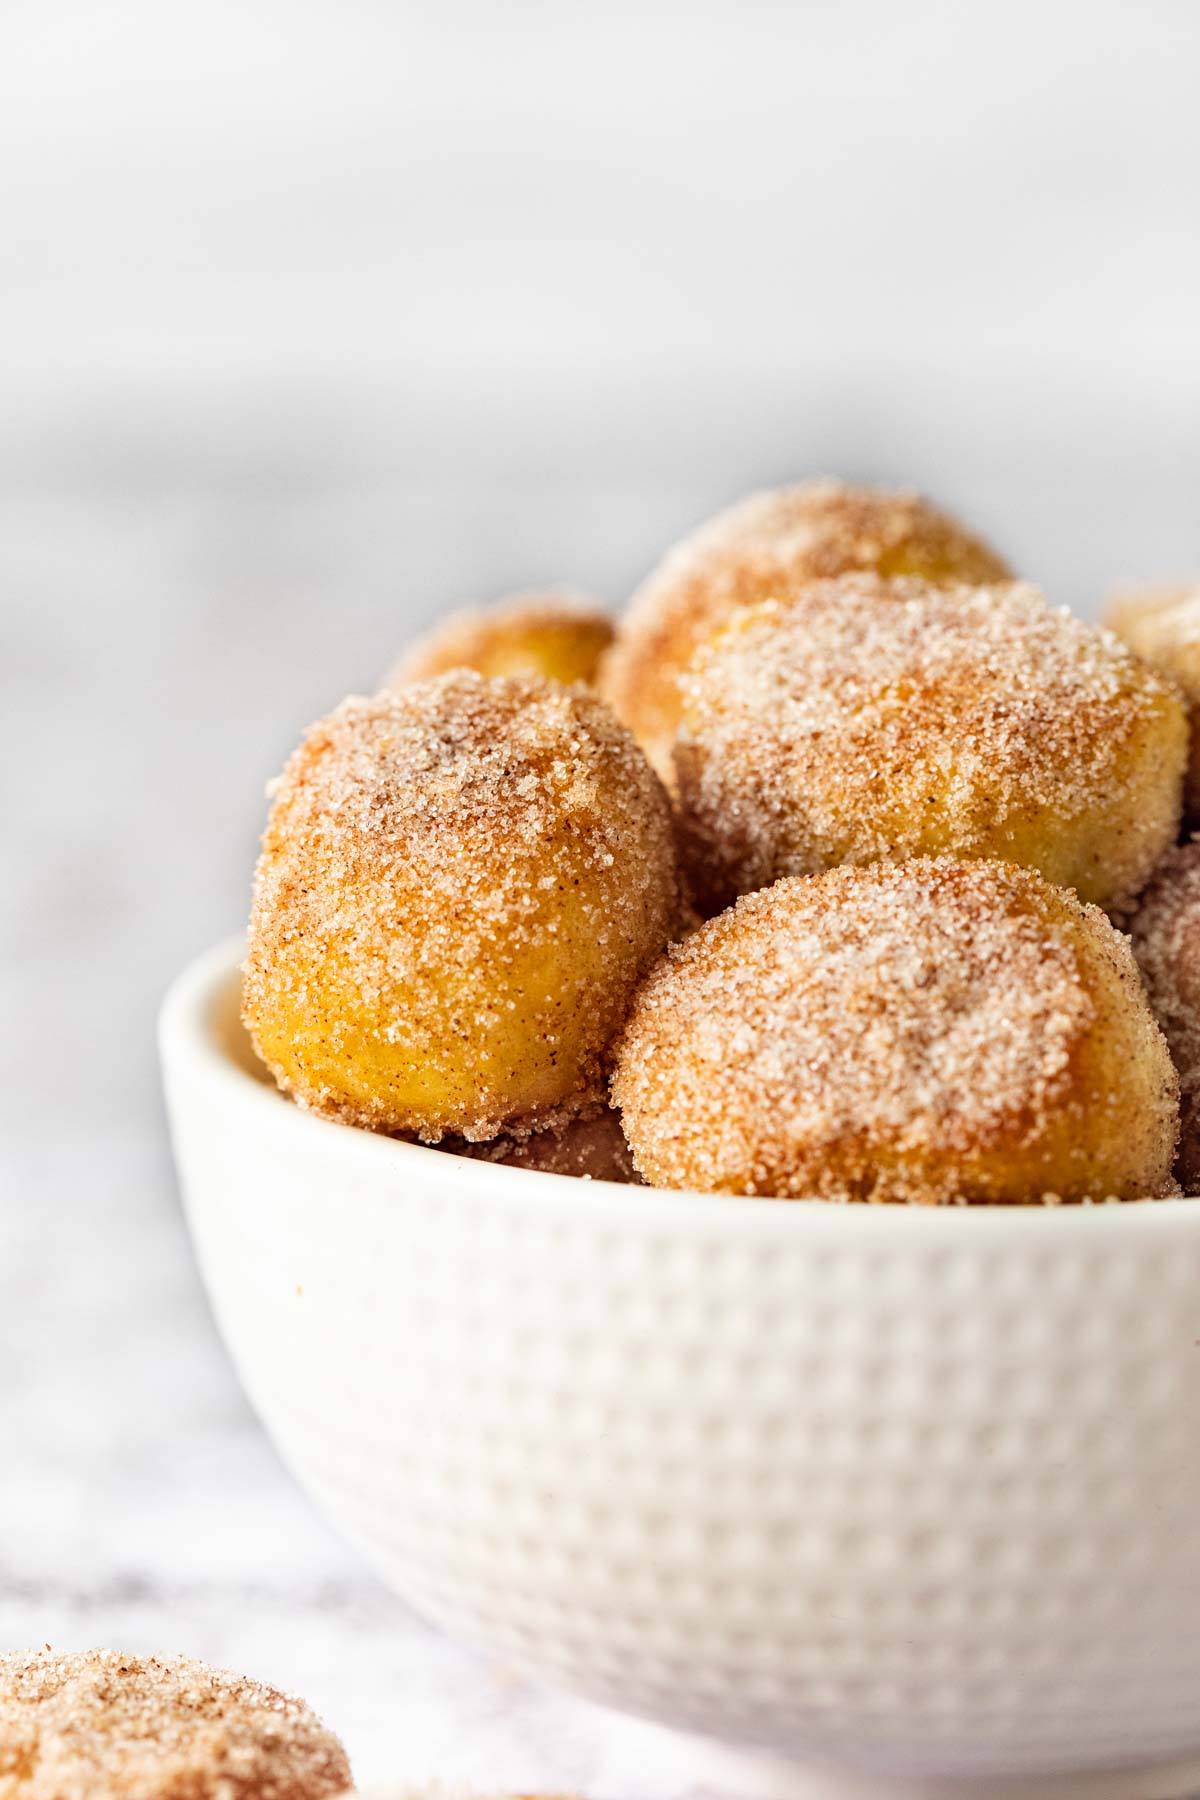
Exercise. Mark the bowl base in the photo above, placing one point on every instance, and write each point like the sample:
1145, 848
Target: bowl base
745, 1773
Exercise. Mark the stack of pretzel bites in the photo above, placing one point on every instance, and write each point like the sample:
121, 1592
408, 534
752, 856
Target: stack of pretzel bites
810, 878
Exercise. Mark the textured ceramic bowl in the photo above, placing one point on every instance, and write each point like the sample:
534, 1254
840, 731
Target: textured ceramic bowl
862, 1501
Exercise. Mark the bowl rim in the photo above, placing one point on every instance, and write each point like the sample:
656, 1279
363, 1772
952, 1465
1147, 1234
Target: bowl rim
190, 1051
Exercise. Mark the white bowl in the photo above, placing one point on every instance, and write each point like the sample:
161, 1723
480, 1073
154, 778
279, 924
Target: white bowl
888, 1502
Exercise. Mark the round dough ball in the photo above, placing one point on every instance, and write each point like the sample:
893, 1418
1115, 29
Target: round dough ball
1162, 625
555, 635
929, 1031
868, 719
1166, 942
460, 886
766, 546
111, 1726
591, 1148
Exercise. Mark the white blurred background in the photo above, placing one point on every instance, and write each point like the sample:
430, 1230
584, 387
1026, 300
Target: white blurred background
318, 317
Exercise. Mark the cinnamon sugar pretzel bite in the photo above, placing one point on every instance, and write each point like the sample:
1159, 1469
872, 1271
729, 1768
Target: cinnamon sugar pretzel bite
460, 886
928, 1031
763, 547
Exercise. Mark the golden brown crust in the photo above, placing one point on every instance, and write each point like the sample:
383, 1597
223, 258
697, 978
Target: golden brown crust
929, 1031
1162, 625
864, 718
460, 885
766, 544
1166, 942
101, 1726
560, 636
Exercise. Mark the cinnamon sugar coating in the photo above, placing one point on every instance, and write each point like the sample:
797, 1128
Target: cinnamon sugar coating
865, 719
763, 548
591, 1147
1166, 942
559, 636
929, 1031
1162, 625
101, 1726
460, 886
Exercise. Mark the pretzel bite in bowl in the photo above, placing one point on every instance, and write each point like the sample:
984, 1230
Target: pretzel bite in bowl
1166, 941
768, 543
926, 1031
558, 636
1162, 625
460, 886
858, 719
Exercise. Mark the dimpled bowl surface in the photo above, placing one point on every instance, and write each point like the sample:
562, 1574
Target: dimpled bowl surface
860, 1500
